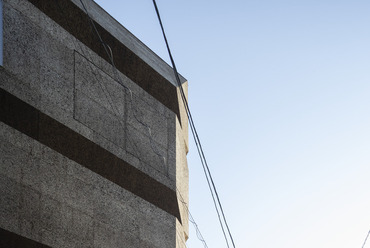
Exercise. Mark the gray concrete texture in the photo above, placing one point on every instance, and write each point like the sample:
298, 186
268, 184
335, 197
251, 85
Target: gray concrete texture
51, 199
133, 43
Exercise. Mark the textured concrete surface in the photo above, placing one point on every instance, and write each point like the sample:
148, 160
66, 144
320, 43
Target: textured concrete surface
134, 44
1, 32
53, 200
47, 194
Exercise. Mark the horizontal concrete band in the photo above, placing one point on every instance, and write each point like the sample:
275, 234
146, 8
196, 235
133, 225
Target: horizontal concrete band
76, 22
13, 240
41, 127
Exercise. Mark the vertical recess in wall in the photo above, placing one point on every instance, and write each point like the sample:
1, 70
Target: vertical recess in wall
1, 32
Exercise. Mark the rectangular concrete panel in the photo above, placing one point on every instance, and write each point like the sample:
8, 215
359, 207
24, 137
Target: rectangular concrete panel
99, 101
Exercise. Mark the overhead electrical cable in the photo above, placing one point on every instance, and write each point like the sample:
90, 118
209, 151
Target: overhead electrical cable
196, 138
366, 239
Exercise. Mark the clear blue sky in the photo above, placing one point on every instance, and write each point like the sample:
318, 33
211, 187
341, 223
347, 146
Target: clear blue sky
280, 94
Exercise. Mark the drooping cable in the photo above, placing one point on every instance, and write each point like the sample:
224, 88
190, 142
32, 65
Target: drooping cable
366, 239
196, 137
191, 219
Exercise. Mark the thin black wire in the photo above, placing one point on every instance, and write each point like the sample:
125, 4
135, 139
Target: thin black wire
191, 219
190, 120
194, 131
110, 55
366, 239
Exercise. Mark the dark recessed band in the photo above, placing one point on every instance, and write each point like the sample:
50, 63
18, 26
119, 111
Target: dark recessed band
13, 240
41, 127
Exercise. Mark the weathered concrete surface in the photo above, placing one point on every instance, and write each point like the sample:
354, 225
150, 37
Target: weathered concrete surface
1, 32
134, 44
53, 199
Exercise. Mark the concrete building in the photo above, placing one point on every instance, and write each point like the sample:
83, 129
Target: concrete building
92, 155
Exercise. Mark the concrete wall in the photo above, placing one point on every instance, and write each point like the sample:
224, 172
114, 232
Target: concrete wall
91, 155
1, 32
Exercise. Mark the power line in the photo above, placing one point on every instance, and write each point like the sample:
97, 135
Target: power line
206, 169
366, 239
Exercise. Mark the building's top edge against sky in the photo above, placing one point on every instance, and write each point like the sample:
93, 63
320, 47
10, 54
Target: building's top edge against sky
103, 18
